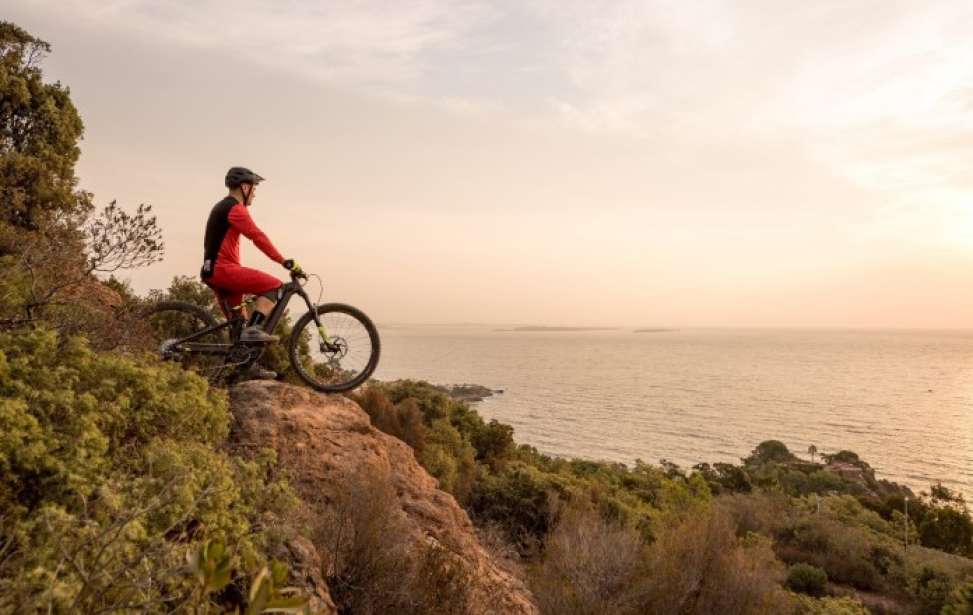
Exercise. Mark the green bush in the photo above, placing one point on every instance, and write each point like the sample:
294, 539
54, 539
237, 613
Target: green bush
947, 529
849, 553
806, 605
519, 500
960, 601
111, 466
770, 451
806, 579
931, 587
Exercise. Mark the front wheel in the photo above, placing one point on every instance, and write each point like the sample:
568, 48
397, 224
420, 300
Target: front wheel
339, 357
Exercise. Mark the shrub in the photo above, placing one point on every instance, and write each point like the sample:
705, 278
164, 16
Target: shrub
699, 566
931, 587
520, 500
372, 565
590, 566
494, 443
947, 529
448, 458
844, 605
402, 420
764, 513
844, 551
111, 465
960, 601
806, 579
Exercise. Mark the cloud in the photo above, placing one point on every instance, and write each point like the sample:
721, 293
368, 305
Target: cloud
371, 44
876, 90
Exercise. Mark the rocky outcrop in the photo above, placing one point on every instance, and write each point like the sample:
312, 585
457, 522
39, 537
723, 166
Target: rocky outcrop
325, 441
468, 392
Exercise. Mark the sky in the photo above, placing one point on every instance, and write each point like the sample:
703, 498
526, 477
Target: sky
649, 163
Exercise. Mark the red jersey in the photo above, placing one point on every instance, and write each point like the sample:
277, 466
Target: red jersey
221, 246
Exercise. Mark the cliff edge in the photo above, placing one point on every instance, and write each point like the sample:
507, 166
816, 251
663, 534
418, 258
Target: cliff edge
325, 443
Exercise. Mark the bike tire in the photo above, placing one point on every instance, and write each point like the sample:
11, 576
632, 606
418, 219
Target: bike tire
336, 382
183, 317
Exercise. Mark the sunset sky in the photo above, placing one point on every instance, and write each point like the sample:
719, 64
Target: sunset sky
649, 163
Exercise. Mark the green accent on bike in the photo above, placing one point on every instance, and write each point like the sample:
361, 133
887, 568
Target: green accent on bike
323, 333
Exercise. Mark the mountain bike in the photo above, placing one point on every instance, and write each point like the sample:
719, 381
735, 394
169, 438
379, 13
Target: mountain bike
333, 347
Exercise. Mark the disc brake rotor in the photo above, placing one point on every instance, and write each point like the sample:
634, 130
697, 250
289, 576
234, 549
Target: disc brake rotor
334, 350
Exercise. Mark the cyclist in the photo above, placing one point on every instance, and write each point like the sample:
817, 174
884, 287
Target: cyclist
222, 270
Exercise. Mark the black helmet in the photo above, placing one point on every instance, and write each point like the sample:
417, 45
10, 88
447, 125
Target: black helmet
240, 175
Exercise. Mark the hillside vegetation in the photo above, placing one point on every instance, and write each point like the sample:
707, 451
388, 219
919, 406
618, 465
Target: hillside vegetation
125, 491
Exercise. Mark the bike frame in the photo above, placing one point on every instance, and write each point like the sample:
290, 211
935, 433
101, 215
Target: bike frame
287, 291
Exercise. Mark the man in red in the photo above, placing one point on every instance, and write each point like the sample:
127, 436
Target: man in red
222, 270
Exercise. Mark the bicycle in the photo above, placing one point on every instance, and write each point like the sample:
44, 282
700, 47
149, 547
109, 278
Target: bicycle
333, 347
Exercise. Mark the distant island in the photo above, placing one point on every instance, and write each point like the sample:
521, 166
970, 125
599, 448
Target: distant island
537, 328
654, 330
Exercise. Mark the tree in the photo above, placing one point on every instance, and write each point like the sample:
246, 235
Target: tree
812, 451
39, 133
52, 243
947, 529
769, 451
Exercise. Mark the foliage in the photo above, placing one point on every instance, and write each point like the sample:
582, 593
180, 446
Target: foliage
510, 486
698, 565
119, 240
402, 420
373, 567
799, 512
213, 566
51, 240
844, 605
191, 290
520, 501
725, 477
591, 566
947, 529
437, 427
39, 133
931, 587
770, 451
806, 579
960, 601
111, 466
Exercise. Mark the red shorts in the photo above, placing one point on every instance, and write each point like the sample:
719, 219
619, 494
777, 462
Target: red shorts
231, 282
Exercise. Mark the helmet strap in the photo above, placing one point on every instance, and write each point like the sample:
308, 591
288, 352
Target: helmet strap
246, 195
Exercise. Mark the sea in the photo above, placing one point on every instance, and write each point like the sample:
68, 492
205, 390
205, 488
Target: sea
902, 400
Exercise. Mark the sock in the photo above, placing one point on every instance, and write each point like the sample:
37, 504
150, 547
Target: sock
256, 319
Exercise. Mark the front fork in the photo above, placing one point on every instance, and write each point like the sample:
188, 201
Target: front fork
317, 320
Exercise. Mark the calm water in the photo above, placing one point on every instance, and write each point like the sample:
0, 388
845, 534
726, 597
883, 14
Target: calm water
901, 400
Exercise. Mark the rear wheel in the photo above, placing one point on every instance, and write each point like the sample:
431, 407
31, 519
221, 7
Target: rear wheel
342, 360
167, 322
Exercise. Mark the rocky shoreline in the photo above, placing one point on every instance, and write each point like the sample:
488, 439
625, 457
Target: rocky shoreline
468, 392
